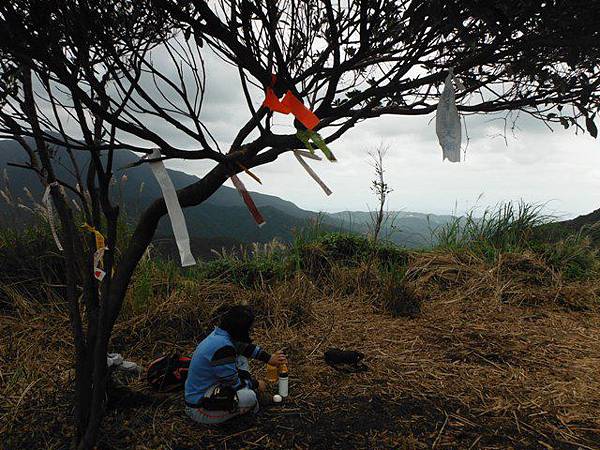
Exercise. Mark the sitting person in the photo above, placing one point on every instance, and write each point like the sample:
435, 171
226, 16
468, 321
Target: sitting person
219, 385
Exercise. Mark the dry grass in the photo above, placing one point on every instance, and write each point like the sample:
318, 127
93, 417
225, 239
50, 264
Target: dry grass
502, 355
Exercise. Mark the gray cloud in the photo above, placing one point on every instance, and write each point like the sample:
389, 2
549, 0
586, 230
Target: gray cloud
534, 164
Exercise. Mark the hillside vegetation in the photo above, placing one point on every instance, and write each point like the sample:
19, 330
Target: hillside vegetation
223, 220
491, 340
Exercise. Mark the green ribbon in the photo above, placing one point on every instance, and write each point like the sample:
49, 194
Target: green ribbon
306, 136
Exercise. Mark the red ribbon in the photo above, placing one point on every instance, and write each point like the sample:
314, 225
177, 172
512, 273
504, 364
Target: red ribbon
258, 218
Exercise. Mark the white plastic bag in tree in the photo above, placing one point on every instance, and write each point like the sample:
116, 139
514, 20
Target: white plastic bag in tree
447, 122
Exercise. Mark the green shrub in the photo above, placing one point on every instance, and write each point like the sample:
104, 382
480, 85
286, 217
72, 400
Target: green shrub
30, 263
353, 249
387, 290
248, 271
509, 228
391, 258
345, 248
141, 289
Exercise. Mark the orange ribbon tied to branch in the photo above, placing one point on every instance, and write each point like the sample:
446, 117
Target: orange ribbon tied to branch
304, 115
289, 104
272, 102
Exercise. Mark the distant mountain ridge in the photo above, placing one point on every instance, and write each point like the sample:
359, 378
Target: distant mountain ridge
406, 228
584, 220
223, 215
222, 218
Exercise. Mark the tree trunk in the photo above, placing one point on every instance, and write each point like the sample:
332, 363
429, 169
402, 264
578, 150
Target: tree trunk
91, 370
95, 396
101, 307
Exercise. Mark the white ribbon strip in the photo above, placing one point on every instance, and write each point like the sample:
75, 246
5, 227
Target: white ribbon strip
174, 209
47, 202
309, 155
447, 122
299, 154
459, 84
99, 274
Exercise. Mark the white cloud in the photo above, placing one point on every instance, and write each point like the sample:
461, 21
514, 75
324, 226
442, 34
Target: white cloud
534, 164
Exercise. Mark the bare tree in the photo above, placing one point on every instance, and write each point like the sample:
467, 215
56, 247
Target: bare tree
380, 217
83, 74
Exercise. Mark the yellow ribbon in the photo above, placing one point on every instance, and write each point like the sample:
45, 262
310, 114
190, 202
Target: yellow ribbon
99, 253
97, 234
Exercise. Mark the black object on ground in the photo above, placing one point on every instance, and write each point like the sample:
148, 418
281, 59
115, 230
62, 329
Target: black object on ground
349, 361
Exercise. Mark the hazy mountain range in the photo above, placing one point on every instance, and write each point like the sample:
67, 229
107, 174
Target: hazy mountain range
221, 221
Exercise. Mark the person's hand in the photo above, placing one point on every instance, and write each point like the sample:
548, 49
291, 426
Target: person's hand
262, 386
278, 358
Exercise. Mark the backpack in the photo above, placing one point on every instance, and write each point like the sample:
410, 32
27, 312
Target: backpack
168, 373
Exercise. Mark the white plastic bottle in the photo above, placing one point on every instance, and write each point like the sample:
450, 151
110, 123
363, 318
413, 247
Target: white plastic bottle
283, 380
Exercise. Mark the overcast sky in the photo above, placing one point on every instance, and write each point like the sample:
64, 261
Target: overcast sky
534, 164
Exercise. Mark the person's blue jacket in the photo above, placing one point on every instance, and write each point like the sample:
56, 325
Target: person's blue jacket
214, 362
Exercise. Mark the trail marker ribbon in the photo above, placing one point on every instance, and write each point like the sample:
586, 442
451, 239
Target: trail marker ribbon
299, 154
99, 237
289, 104
308, 135
176, 216
304, 115
250, 174
47, 202
99, 274
309, 155
256, 215
273, 103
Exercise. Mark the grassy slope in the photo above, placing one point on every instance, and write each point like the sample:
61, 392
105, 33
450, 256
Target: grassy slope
472, 345
469, 369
